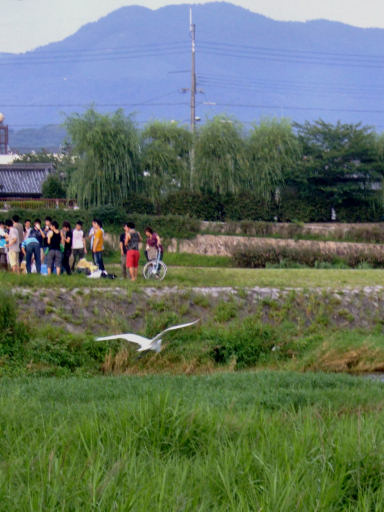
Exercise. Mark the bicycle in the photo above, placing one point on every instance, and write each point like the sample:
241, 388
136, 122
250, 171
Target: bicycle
155, 269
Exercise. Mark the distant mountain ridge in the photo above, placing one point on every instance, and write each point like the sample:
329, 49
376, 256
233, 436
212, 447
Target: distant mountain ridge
248, 66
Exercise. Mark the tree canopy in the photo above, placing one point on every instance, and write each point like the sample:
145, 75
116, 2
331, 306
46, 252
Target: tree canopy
220, 160
340, 163
107, 152
165, 158
272, 151
279, 169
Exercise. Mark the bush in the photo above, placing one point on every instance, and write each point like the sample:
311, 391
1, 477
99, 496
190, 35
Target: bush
200, 206
246, 343
139, 204
260, 257
109, 214
13, 334
247, 206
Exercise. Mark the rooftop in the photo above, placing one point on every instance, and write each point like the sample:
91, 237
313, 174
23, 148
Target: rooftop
23, 179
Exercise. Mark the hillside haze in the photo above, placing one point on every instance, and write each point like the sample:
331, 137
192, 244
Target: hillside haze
248, 66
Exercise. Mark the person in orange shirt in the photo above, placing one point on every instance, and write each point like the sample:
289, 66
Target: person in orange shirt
98, 244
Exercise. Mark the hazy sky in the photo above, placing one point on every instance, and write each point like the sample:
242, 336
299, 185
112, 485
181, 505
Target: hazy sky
26, 24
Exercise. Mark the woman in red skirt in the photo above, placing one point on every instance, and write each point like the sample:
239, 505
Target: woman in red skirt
132, 240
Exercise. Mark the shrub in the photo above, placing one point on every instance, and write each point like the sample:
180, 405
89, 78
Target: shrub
109, 214
200, 206
260, 257
13, 333
246, 343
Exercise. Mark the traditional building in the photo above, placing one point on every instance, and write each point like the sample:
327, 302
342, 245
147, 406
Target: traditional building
23, 180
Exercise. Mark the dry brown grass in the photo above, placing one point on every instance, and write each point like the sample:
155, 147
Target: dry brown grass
364, 359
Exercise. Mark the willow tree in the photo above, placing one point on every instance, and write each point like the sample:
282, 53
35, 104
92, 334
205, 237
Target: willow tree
165, 152
106, 148
272, 150
220, 160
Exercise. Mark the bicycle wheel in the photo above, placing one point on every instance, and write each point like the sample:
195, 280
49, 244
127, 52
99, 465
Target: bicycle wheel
153, 270
161, 270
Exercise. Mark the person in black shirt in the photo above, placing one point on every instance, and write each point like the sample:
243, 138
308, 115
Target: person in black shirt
123, 251
54, 256
46, 230
66, 236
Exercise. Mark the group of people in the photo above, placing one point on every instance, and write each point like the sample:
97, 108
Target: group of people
48, 244
53, 246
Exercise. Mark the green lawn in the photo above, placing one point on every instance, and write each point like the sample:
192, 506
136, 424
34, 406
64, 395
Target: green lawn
205, 276
247, 442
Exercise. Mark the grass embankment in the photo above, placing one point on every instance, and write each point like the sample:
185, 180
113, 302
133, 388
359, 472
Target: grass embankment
306, 329
265, 441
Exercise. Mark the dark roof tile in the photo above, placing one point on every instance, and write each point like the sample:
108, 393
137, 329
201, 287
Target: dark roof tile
23, 179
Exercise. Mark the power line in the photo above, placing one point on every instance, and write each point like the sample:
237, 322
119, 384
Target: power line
281, 89
296, 58
291, 107
88, 105
238, 80
96, 57
297, 51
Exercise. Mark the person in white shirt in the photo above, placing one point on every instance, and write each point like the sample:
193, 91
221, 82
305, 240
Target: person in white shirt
27, 229
13, 245
79, 248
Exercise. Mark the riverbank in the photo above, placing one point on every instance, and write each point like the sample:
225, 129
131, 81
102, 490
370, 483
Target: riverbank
323, 328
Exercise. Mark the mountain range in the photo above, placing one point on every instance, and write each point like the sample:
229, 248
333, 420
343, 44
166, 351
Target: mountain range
248, 66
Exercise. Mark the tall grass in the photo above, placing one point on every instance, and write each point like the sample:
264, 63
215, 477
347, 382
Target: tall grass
277, 442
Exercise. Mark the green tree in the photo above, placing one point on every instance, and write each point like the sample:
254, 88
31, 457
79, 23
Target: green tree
272, 151
340, 168
220, 164
53, 187
165, 157
106, 148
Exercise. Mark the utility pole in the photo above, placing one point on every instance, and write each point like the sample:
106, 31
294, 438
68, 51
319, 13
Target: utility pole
192, 28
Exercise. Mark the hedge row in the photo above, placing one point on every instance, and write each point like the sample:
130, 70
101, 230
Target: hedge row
213, 207
291, 208
260, 257
113, 219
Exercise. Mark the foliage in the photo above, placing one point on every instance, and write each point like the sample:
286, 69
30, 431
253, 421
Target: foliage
224, 172
340, 166
272, 152
219, 162
165, 153
107, 151
246, 344
251, 441
260, 257
53, 187
42, 156
206, 206
13, 334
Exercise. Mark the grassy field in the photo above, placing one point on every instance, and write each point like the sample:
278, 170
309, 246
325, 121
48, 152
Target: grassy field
220, 439
206, 276
247, 442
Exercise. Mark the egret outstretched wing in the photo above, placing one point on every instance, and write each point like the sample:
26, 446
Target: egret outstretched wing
145, 343
133, 338
173, 328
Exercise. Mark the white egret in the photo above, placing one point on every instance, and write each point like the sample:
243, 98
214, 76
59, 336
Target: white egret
146, 343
